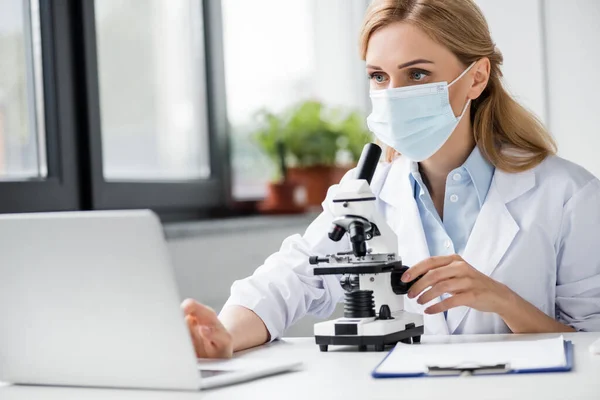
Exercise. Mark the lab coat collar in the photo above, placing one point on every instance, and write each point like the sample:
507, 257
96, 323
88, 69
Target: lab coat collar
404, 219
396, 182
492, 234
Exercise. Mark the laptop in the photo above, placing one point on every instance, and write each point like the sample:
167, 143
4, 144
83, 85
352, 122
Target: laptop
90, 299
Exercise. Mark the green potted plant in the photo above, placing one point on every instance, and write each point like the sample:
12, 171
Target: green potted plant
312, 144
282, 195
353, 135
306, 141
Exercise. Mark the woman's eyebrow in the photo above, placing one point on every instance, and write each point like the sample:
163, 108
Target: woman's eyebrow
407, 64
413, 62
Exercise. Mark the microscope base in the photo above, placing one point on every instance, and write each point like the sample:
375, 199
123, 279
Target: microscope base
404, 327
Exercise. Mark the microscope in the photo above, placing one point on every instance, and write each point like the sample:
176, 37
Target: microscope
370, 273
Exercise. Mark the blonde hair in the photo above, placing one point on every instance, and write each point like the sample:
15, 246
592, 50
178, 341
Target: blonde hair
508, 135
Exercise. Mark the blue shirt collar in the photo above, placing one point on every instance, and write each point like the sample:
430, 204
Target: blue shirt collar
479, 169
481, 172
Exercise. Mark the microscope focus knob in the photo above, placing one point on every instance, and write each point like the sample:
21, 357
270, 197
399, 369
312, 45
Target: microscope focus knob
315, 260
384, 312
398, 286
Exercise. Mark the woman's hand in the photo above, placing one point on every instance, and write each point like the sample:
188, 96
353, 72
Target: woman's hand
471, 288
210, 338
453, 275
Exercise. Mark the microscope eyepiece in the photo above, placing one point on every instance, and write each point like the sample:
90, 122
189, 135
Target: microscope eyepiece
367, 164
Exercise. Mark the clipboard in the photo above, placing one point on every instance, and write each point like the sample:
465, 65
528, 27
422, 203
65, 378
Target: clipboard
477, 370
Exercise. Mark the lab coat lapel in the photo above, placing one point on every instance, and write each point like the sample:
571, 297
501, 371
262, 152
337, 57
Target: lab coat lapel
494, 229
404, 219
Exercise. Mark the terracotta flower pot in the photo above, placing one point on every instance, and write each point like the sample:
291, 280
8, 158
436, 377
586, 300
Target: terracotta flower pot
338, 173
282, 198
316, 180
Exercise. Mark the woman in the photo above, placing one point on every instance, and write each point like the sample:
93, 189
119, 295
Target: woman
503, 231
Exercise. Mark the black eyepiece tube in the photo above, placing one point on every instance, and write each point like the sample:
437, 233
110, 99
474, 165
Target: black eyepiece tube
368, 162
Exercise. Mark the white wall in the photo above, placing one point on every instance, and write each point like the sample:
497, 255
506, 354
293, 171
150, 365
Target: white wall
573, 37
341, 79
516, 27
552, 55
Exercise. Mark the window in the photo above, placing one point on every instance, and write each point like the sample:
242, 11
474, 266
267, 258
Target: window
22, 130
152, 90
278, 53
151, 129
104, 105
38, 158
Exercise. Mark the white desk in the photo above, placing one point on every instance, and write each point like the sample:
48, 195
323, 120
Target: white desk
344, 373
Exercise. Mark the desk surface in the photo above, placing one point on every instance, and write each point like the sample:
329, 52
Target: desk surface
344, 373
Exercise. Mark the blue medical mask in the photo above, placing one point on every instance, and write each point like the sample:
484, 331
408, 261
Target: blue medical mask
414, 120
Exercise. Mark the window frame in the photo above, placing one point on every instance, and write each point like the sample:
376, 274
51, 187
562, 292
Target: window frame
59, 191
177, 197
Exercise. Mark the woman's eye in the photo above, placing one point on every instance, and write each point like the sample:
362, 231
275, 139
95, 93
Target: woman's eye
418, 75
378, 78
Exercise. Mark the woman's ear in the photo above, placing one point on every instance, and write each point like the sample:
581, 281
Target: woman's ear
481, 75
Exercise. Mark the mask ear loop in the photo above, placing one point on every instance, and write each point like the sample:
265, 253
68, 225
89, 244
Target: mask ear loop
464, 110
463, 74
456, 80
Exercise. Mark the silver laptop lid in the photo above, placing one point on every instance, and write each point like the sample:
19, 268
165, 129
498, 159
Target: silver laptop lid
90, 299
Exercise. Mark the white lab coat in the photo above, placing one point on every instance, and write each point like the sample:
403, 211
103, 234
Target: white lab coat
538, 232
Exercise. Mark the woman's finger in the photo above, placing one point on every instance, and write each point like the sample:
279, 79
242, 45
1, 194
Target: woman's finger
197, 339
203, 314
217, 343
428, 264
457, 300
433, 277
451, 286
